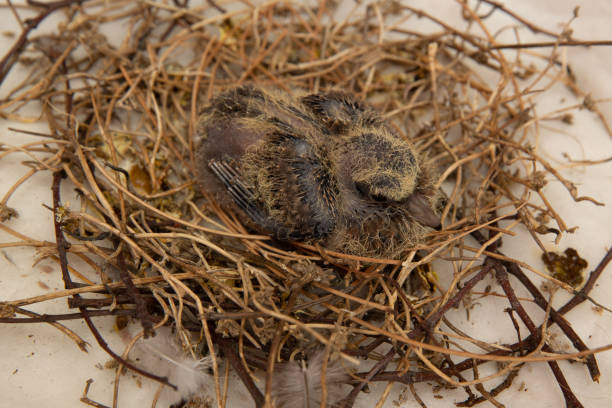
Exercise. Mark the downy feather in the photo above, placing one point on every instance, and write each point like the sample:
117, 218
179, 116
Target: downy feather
166, 357
298, 384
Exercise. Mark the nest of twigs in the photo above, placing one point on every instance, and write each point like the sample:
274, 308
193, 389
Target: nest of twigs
122, 113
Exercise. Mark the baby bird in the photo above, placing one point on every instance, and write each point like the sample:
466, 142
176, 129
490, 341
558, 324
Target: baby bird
318, 167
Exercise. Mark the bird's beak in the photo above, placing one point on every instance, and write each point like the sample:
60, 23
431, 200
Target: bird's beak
421, 211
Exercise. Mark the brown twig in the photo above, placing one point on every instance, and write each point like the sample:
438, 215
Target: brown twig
62, 246
229, 349
502, 278
11, 57
552, 44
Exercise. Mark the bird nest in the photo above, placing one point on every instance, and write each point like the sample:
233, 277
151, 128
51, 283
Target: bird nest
122, 110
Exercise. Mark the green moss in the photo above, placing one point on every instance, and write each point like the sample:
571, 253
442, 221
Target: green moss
566, 268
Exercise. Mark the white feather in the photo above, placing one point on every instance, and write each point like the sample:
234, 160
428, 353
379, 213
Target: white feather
298, 384
164, 356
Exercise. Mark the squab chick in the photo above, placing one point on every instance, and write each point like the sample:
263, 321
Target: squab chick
317, 168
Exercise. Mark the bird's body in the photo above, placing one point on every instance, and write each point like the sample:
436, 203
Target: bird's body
315, 167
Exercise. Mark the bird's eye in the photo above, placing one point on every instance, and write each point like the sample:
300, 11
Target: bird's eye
371, 191
363, 188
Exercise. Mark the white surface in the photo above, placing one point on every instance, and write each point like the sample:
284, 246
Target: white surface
39, 366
